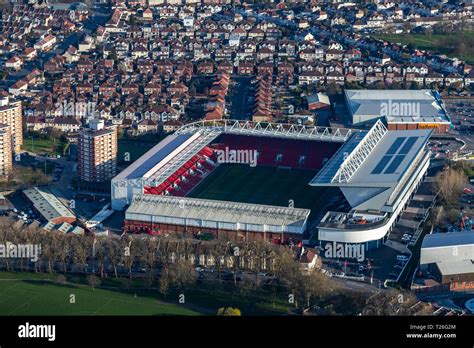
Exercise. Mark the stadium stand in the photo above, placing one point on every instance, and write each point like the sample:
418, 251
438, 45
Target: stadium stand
293, 153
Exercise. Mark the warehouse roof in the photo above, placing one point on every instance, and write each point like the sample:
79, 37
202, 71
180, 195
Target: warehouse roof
459, 267
220, 211
440, 240
407, 106
47, 204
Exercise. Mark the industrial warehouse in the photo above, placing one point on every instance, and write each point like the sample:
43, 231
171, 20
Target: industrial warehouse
449, 257
400, 109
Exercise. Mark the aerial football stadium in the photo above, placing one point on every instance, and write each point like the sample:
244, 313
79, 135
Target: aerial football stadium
323, 184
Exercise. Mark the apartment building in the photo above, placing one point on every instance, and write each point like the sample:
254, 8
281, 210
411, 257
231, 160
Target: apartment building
97, 152
11, 115
5, 151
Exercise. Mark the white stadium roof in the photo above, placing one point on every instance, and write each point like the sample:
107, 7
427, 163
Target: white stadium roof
155, 155
373, 167
173, 151
220, 211
267, 129
372, 158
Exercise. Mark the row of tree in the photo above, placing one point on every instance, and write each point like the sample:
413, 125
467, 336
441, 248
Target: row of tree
171, 262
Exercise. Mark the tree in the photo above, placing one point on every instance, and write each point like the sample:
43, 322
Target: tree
60, 279
128, 257
182, 274
308, 289
114, 252
164, 281
333, 89
100, 254
229, 312
63, 252
93, 281
82, 247
47, 250
450, 184
149, 256
390, 303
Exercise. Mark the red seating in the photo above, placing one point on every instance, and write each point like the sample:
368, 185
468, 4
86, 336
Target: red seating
271, 151
174, 179
291, 150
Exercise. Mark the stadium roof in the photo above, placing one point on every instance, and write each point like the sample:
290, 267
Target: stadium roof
442, 240
220, 211
268, 129
374, 158
414, 106
327, 173
146, 162
47, 204
184, 153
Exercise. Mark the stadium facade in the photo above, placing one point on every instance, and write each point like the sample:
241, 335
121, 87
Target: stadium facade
234, 221
377, 171
400, 109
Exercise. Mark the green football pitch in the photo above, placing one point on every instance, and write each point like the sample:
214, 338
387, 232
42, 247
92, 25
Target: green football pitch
263, 185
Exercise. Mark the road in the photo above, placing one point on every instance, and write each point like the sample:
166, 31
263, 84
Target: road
240, 102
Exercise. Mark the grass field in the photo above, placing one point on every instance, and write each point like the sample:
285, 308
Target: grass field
23, 293
433, 42
39, 145
34, 294
262, 185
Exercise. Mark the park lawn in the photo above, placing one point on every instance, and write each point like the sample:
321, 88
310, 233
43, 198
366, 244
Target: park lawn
432, 42
25, 293
33, 294
41, 145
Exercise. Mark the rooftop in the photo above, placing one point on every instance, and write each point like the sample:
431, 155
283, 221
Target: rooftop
458, 267
155, 155
441, 240
374, 158
47, 204
407, 106
211, 210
